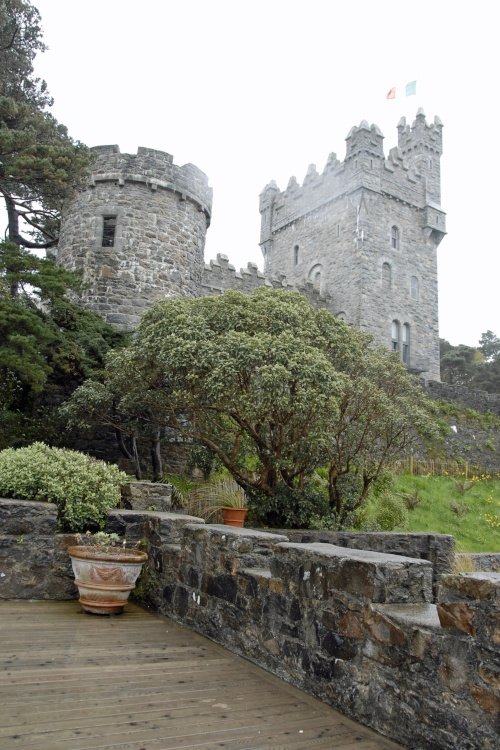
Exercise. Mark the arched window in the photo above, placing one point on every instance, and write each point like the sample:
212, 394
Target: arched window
315, 275
386, 276
406, 344
296, 255
395, 335
414, 287
395, 238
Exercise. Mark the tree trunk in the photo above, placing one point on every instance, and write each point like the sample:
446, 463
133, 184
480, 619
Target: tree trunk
156, 459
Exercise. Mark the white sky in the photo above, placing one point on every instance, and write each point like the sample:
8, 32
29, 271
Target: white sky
258, 90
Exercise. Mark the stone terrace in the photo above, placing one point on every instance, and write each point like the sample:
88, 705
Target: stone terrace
72, 681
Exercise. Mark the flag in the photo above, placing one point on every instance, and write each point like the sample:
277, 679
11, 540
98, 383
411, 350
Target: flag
391, 94
411, 88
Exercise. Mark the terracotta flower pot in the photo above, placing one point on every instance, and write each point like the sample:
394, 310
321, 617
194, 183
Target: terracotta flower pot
234, 516
105, 576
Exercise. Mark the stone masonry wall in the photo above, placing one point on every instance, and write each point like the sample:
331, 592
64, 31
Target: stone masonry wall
33, 559
438, 549
219, 276
355, 628
481, 401
336, 230
162, 213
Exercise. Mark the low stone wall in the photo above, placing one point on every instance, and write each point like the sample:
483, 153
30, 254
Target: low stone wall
354, 627
34, 563
481, 401
146, 496
438, 549
486, 562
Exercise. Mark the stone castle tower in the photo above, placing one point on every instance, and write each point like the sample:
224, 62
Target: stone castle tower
365, 232
360, 239
137, 232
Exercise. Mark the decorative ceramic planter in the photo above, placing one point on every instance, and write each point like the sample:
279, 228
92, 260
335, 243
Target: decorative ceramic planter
105, 576
234, 516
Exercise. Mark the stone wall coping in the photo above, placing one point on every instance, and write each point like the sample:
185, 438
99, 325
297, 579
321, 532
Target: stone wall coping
332, 551
162, 515
469, 586
35, 504
368, 534
223, 530
257, 572
145, 483
421, 615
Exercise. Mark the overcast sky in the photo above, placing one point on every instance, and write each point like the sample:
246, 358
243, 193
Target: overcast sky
254, 91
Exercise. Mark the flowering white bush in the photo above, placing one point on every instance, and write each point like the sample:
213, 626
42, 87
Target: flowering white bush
83, 488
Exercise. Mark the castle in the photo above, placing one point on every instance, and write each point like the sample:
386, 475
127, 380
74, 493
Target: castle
359, 239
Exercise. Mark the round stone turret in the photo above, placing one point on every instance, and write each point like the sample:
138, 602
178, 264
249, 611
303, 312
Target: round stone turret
137, 232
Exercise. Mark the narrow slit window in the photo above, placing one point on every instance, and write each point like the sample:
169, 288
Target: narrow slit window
406, 343
395, 335
108, 231
386, 276
395, 238
296, 255
414, 287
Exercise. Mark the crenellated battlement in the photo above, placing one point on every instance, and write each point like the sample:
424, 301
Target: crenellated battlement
421, 134
358, 237
366, 139
136, 232
365, 166
220, 275
154, 168
365, 231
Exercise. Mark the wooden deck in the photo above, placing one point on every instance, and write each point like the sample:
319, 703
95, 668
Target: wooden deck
71, 681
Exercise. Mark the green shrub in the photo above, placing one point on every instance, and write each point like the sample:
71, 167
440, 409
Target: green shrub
83, 488
387, 512
288, 508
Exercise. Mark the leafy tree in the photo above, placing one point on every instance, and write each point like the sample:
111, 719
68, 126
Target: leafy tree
489, 345
459, 363
48, 345
273, 387
476, 367
39, 163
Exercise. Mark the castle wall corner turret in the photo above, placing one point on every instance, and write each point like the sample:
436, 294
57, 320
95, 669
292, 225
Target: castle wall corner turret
137, 232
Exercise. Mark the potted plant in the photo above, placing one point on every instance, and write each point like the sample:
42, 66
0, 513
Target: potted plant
223, 497
105, 572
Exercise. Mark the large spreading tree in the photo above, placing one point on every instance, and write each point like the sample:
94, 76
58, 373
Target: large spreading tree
272, 386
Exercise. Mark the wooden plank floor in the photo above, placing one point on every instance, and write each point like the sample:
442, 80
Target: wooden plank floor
71, 681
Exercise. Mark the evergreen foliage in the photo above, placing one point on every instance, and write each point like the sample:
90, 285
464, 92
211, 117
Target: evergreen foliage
39, 163
476, 367
273, 387
48, 345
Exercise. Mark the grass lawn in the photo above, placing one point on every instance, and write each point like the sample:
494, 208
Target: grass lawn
467, 509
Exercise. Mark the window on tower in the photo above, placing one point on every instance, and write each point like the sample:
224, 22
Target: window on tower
395, 335
395, 238
296, 255
108, 231
386, 276
414, 287
406, 344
